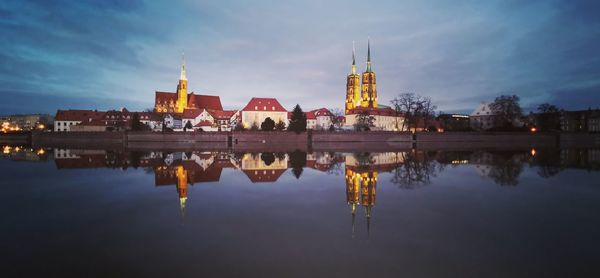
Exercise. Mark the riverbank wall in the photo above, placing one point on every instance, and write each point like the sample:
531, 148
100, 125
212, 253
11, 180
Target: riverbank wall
320, 141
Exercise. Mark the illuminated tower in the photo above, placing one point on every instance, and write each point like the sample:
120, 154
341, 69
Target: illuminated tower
182, 183
369, 84
368, 189
352, 192
181, 89
352, 86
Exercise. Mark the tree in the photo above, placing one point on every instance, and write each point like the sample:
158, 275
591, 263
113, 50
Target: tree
268, 158
337, 117
413, 107
254, 127
280, 126
506, 109
548, 117
364, 121
297, 162
268, 124
136, 124
239, 127
547, 108
298, 120
187, 126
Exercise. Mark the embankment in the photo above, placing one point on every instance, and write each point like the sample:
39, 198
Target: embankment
319, 141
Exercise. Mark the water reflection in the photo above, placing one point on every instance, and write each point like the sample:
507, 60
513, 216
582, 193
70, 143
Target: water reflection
407, 170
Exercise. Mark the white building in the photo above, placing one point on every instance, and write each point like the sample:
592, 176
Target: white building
258, 109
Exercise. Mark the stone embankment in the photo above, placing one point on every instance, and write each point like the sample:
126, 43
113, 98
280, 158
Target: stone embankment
321, 141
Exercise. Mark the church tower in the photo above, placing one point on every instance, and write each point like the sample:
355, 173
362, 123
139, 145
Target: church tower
181, 89
352, 86
369, 85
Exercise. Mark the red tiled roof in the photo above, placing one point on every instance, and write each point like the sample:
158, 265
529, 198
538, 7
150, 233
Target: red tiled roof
164, 97
191, 113
264, 175
204, 101
222, 115
77, 115
264, 104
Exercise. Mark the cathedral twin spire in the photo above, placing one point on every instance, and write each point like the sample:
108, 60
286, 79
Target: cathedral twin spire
361, 94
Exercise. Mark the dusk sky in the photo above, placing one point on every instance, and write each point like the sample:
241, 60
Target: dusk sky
68, 54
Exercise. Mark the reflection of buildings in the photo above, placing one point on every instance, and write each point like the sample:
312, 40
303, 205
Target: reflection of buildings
17, 153
361, 179
264, 167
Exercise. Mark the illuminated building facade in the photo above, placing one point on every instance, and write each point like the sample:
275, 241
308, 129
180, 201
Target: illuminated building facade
361, 98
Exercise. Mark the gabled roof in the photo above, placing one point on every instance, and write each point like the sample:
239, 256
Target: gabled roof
164, 97
204, 101
264, 104
191, 113
271, 175
78, 115
222, 115
321, 112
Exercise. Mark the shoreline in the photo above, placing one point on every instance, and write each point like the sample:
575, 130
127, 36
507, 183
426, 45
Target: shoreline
313, 140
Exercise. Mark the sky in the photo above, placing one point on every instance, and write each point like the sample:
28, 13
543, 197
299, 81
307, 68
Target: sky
110, 54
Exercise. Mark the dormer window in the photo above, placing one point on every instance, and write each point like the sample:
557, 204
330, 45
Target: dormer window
264, 108
255, 107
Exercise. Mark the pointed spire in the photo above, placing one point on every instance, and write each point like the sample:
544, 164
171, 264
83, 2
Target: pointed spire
369, 55
353, 71
182, 75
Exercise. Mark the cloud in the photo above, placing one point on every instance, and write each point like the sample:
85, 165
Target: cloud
459, 53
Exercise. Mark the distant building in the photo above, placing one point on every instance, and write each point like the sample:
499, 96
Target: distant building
580, 121
454, 122
318, 119
258, 109
90, 126
482, 117
28, 121
65, 119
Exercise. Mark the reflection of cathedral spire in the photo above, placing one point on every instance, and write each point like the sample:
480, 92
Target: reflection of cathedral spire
181, 174
363, 184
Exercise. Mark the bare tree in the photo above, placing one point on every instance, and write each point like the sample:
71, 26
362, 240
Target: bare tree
506, 109
336, 115
413, 107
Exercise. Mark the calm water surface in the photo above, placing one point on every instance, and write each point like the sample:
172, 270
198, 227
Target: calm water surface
527, 213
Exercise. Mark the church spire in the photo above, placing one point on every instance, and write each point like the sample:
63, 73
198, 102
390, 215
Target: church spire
353, 60
182, 76
369, 55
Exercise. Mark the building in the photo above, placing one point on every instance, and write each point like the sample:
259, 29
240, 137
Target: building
65, 119
383, 118
580, 121
90, 126
201, 111
454, 122
27, 121
318, 119
482, 117
361, 99
258, 109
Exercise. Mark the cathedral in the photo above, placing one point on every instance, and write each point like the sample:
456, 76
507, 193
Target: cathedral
179, 101
361, 97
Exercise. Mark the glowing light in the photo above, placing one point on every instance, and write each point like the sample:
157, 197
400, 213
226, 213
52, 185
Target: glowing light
6, 149
533, 152
41, 152
533, 129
